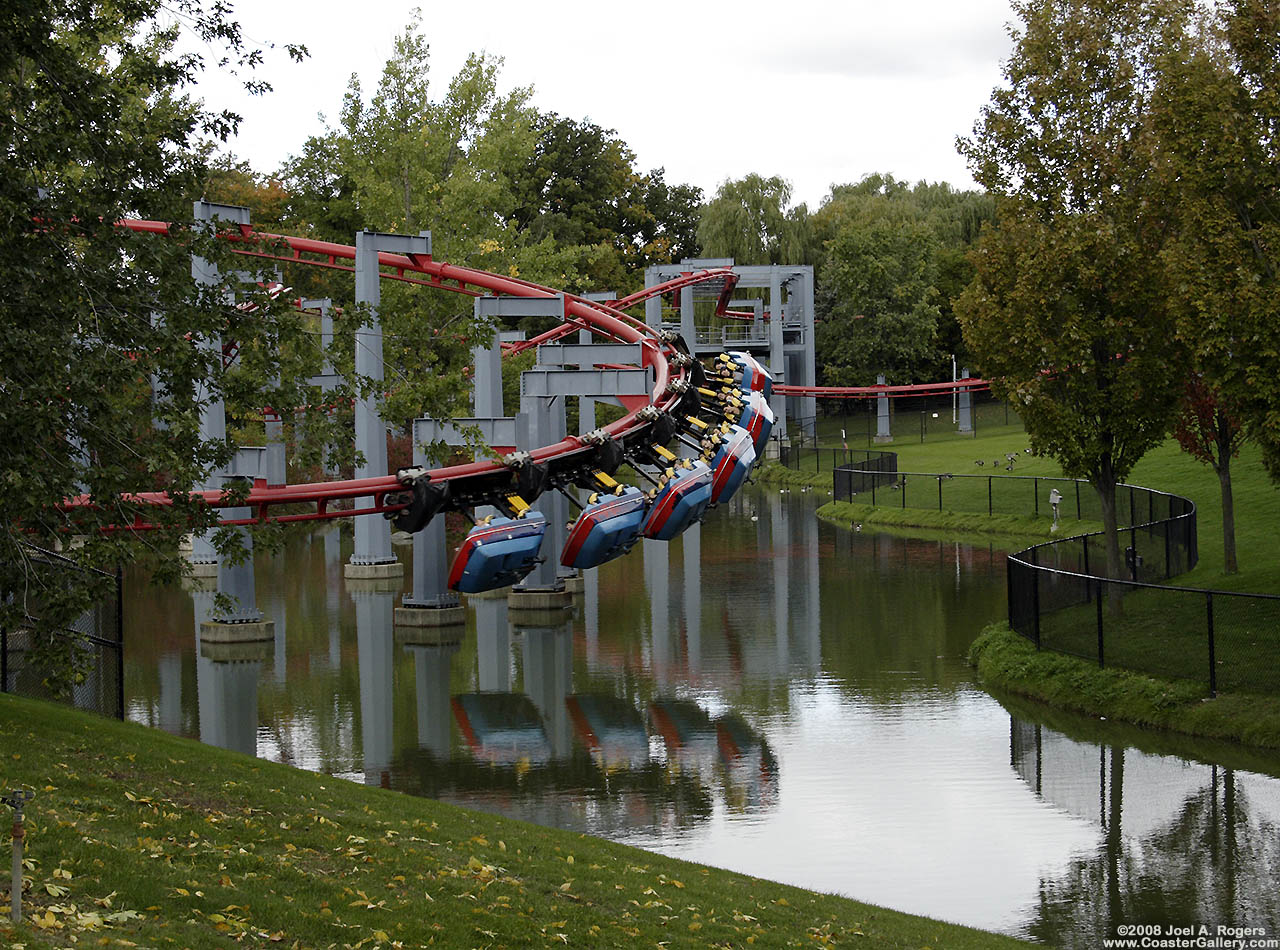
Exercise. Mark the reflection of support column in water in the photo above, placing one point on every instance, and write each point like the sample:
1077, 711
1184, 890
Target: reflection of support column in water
374, 641
169, 705
333, 593
432, 666
493, 645
691, 542
280, 666
591, 615
655, 579
813, 596
202, 607
233, 700
548, 671
780, 525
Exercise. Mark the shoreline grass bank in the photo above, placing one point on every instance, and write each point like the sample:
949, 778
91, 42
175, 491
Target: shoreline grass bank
1009, 663
140, 838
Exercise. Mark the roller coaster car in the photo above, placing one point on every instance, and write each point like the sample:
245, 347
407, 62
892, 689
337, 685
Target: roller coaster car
757, 419
731, 464
607, 528
498, 553
679, 503
755, 378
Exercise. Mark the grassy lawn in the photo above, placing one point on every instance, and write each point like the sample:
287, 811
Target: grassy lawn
1165, 468
139, 838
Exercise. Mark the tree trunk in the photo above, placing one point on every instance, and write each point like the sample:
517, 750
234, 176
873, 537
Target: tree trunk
1228, 516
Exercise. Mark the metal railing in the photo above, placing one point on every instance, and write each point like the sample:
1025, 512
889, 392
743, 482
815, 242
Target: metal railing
90, 645
1059, 597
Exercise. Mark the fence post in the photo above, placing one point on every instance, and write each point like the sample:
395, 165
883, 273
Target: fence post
939, 493
988, 496
1099, 608
1077, 481
1035, 594
4, 659
904, 491
1035, 487
1213, 665
120, 642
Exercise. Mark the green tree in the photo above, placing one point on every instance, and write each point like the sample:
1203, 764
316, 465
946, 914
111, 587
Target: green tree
1214, 153
1068, 313
402, 161
877, 294
95, 125
749, 221
893, 258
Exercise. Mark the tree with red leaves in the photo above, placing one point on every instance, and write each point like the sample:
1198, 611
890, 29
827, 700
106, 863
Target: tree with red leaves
1209, 431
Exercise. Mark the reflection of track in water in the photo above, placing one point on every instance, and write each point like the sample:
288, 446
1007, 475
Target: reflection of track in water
502, 728
1180, 840
724, 746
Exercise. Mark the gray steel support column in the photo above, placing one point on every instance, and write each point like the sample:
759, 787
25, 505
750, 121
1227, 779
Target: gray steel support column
213, 420
432, 666
777, 352
486, 384
545, 426
431, 559
276, 462
374, 642
493, 645
236, 580
373, 533
809, 358
688, 327
966, 407
882, 415
691, 542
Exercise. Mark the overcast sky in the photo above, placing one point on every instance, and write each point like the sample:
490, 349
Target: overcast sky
817, 92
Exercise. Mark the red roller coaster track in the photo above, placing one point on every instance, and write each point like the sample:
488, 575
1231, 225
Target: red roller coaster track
422, 270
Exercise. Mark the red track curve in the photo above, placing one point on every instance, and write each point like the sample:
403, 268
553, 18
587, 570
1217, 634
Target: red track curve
600, 318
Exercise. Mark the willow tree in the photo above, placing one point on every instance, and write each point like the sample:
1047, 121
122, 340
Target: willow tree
1068, 314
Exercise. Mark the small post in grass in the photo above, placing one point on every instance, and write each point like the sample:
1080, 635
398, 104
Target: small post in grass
16, 800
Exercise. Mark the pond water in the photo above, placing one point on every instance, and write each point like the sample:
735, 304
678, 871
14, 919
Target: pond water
769, 694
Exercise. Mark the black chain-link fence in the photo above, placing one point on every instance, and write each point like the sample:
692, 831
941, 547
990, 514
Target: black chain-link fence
927, 418
91, 644
1059, 595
